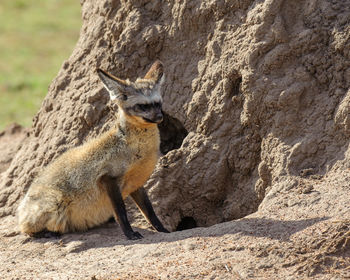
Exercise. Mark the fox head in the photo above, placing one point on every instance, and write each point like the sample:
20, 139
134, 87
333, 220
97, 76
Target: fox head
140, 101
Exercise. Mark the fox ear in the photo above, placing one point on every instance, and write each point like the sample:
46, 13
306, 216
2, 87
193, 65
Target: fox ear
116, 87
156, 73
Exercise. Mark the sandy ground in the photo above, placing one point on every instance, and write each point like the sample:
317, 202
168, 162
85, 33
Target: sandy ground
301, 233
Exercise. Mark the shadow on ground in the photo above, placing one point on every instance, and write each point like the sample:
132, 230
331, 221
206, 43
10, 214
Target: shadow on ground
109, 234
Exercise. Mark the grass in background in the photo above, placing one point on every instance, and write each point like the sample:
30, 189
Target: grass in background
36, 36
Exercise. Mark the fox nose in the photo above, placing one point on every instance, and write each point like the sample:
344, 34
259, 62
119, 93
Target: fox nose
158, 117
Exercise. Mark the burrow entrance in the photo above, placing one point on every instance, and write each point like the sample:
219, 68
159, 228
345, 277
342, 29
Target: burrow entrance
172, 133
186, 223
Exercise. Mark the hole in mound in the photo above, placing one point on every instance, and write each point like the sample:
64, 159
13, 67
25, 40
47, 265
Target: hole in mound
172, 133
186, 223
235, 86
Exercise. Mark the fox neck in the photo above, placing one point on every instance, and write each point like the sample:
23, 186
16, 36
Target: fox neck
132, 123
133, 130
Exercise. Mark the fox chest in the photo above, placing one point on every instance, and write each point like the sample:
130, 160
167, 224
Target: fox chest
143, 159
138, 173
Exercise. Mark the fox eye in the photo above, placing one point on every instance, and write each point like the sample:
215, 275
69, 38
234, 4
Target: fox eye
146, 107
141, 107
157, 105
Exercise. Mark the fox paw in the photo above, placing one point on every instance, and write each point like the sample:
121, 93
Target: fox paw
134, 235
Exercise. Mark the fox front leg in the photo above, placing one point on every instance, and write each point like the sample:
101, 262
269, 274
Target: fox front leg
141, 199
112, 187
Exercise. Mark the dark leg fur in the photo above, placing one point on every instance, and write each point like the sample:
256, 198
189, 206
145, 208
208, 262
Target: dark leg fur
46, 234
112, 187
111, 220
141, 199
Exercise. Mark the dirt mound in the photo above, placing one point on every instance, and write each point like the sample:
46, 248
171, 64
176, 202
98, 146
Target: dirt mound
10, 142
257, 117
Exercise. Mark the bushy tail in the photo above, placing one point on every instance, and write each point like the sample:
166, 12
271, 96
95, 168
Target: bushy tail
31, 218
40, 211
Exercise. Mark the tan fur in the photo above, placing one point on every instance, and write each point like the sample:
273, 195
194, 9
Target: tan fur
67, 195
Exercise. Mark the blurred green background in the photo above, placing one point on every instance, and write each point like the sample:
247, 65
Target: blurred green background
36, 36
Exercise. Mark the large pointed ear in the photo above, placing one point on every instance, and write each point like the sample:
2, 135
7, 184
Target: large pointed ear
116, 87
156, 73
